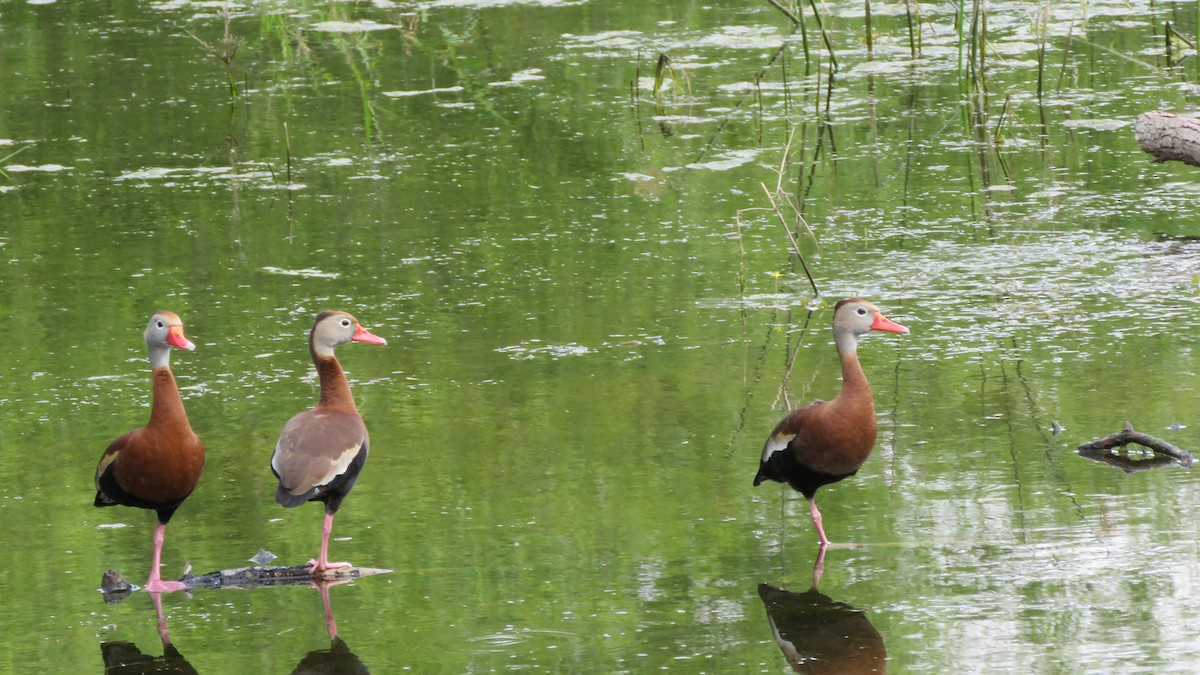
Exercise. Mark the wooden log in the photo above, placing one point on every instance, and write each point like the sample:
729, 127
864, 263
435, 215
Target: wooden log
273, 575
116, 589
1168, 136
1102, 447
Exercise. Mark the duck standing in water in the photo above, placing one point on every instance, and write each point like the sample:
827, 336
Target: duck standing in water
321, 451
155, 467
826, 441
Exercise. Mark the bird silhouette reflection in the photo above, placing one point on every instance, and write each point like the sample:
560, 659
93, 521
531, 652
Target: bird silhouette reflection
124, 658
338, 659
820, 635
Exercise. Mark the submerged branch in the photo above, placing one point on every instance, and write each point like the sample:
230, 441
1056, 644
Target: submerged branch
1102, 449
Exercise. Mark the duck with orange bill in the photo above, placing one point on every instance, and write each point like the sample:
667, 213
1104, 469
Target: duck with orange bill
321, 451
157, 466
827, 441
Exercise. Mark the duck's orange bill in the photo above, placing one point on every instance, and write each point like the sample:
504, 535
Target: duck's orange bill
884, 323
361, 335
176, 339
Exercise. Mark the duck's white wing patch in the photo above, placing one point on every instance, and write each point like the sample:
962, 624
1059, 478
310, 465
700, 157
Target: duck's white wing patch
342, 462
775, 444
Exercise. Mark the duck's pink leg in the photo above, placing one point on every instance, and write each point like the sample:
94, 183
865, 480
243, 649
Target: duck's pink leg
816, 518
156, 584
322, 562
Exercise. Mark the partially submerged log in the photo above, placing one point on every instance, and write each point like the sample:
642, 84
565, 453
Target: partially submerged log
1169, 136
116, 589
274, 575
1110, 450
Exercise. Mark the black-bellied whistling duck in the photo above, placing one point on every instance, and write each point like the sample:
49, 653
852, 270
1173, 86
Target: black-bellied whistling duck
155, 467
826, 441
321, 451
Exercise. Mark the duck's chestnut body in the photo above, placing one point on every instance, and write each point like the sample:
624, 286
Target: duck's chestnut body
321, 451
157, 466
826, 441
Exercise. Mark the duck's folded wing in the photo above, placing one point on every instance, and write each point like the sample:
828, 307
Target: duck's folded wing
316, 448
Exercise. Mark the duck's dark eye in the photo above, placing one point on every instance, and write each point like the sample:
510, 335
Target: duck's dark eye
346, 322
862, 311
160, 323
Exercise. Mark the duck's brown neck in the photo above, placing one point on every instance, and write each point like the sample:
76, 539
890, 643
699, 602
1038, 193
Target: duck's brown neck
854, 381
166, 406
335, 389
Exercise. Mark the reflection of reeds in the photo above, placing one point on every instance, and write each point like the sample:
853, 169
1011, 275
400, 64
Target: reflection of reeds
868, 29
226, 50
8, 157
287, 144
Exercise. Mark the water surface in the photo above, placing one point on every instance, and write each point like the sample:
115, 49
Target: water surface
593, 321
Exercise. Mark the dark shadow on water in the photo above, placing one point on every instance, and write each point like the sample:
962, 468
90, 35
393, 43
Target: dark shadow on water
124, 658
817, 634
338, 659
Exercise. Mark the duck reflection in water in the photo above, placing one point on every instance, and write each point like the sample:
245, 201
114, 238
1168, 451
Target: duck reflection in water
338, 659
818, 634
124, 658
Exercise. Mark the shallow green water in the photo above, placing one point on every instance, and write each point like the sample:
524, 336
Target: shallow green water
587, 344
